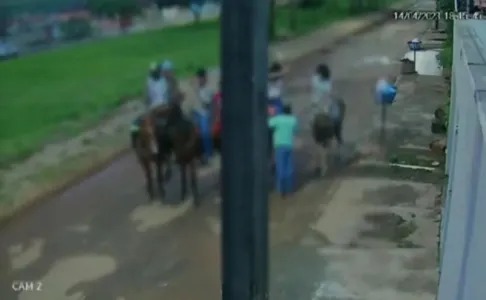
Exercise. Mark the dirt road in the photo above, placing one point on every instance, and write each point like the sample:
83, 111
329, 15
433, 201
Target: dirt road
101, 240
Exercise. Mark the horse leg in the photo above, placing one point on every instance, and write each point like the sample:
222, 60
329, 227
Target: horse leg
168, 166
194, 187
323, 163
160, 176
146, 166
183, 181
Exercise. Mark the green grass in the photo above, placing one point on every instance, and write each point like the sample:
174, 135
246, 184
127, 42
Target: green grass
55, 94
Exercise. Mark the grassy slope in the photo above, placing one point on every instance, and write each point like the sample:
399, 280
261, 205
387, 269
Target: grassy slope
58, 93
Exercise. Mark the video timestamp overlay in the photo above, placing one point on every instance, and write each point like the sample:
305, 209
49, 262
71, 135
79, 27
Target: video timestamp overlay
431, 15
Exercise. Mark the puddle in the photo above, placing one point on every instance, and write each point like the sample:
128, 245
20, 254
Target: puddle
387, 225
427, 63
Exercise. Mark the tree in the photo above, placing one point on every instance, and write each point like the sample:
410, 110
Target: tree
124, 9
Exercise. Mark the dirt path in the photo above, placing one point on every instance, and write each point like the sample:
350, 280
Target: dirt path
59, 164
101, 240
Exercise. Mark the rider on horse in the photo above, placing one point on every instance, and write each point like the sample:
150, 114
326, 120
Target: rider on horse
163, 103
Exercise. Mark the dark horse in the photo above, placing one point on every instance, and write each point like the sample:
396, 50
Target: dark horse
175, 136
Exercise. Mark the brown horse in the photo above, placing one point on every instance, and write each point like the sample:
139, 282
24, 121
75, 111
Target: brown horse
172, 135
176, 137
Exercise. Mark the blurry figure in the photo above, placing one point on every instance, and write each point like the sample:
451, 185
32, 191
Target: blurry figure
337, 110
204, 112
386, 90
321, 88
172, 91
284, 127
156, 87
275, 88
196, 7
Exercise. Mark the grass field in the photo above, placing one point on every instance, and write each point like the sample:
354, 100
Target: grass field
55, 94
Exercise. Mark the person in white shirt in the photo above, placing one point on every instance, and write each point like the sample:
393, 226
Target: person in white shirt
275, 88
321, 88
163, 96
156, 87
204, 111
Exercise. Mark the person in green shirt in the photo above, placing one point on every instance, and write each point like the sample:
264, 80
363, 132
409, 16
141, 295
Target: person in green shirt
284, 128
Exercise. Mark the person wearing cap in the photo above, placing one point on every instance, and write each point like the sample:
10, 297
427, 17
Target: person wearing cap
163, 94
172, 92
275, 88
284, 128
155, 87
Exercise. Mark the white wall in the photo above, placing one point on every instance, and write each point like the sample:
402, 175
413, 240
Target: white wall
463, 242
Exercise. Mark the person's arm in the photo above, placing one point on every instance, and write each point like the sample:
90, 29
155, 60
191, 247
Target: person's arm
271, 123
296, 125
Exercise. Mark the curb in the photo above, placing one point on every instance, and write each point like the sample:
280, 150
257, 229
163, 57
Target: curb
380, 18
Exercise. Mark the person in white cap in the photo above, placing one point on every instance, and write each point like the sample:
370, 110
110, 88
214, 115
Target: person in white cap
163, 94
172, 91
155, 87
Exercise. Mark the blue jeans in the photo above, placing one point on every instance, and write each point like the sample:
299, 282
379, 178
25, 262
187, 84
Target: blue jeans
284, 167
204, 123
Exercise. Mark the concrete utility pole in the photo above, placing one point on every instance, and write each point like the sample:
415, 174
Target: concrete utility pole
245, 171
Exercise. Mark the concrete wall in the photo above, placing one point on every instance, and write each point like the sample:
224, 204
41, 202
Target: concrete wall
463, 242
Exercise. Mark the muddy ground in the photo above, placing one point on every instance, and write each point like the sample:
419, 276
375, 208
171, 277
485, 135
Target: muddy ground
365, 231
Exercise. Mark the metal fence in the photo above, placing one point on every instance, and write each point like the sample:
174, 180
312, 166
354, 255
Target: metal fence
463, 243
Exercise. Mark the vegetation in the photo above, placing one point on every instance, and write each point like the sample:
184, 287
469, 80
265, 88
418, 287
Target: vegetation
56, 94
445, 56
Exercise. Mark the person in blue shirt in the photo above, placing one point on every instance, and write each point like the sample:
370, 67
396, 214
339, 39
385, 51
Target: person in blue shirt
284, 128
386, 90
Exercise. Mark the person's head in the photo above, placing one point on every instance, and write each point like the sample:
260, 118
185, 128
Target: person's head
287, 109
154, 71
167, 68
202, 76
275, 71
323, 71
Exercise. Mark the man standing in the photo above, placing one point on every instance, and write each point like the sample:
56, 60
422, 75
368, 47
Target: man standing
204, 112
284, 127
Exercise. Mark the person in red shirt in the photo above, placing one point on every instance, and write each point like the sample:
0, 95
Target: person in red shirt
217, 104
